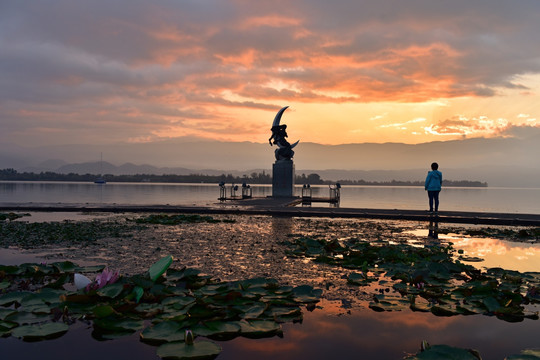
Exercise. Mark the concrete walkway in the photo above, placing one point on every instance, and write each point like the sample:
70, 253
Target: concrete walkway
284, 207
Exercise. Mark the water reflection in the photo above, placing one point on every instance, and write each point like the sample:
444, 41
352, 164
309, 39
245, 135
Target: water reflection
281, 226
388, 335
511, 255
433, 229
499, 253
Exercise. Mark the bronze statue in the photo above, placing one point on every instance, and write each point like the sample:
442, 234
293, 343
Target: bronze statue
279, 135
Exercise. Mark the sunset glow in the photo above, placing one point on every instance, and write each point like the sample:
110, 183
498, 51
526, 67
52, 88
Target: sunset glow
351, 71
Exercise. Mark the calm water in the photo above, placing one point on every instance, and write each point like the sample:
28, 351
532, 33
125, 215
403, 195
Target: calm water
512, 200
330, 332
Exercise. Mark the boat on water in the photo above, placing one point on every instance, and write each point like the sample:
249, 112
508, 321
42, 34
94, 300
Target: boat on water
100, 179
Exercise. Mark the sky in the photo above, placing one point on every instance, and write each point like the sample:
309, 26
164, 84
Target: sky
104, 72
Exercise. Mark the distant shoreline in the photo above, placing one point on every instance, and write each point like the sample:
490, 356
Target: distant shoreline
255, 178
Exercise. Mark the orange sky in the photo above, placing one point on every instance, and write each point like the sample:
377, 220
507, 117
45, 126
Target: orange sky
351, 71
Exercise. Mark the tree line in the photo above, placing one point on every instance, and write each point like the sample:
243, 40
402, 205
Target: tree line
253, 178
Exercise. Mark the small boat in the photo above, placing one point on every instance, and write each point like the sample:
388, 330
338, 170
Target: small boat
100, 179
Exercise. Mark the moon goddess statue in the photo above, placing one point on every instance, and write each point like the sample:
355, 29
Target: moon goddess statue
279, 135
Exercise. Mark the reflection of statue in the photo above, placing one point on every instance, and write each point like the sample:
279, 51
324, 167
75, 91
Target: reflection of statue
284, 150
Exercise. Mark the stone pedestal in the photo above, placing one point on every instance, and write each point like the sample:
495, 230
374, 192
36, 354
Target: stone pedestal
283, 178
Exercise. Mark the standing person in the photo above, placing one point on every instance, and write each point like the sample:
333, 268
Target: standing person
433, 186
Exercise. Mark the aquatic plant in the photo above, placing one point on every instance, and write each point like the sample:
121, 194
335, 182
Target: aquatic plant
437, 352
427, 278
11, 216
28, 235
35, 305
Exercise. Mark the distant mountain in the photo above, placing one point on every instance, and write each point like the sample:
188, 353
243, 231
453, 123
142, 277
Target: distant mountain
124, 169
504, 161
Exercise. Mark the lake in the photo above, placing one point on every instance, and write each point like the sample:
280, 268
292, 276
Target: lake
330, 332
509, 200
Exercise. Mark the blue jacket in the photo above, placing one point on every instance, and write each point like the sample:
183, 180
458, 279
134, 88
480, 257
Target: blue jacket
433, 181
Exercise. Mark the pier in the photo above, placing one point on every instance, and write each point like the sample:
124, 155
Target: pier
288, 207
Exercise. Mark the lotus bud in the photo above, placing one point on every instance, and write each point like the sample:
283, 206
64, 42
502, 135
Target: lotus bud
188, 337
81, 281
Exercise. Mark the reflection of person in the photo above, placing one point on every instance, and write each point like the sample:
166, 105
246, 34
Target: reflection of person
433, 186
433, 230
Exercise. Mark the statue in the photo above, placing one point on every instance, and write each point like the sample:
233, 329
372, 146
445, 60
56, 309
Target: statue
279, 135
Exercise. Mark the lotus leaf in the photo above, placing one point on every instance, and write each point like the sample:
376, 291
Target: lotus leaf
65, 266
306, 294
258, 283
111, 291
103, 311
138, 293
181, 351
13, 297
217, 328
90, 269
118, 324
257, 329
41, 331
5, 312
23, 318
166, 331
159, 267
7, 325
178, 302
438, 352
491, 304
529, 354
254, 311
274, 312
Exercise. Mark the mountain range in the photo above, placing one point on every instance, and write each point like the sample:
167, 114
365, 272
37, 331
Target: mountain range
504, 161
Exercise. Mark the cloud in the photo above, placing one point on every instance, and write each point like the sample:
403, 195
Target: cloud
403, 125
190, 62
481, 126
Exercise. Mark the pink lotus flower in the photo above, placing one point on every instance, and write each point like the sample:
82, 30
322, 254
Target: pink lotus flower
105, 278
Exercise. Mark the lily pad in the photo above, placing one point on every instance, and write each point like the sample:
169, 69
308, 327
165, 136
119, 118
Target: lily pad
181, 351
217, 329
5, 312
254, 311
260, 329
23, 318
13, 297
115, 324
111, 291
529, 354
306, 294
163, 332
103, 311
438, 352
39, 332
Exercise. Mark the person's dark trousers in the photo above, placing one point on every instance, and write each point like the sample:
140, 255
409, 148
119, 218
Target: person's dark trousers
433, 197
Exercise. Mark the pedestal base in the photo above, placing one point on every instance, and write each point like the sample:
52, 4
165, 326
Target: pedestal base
283, 178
